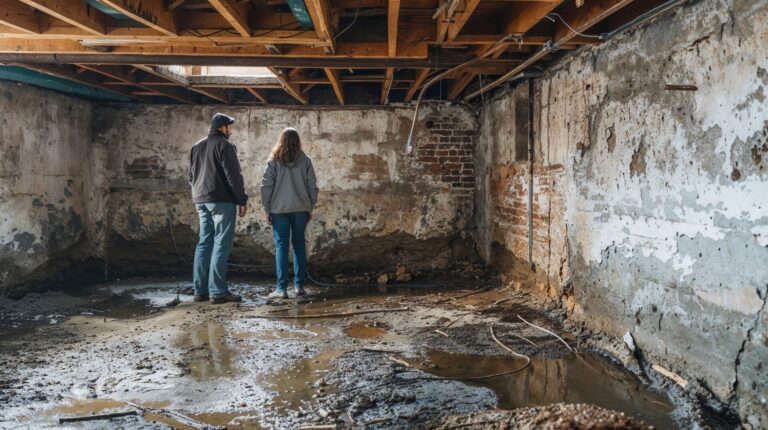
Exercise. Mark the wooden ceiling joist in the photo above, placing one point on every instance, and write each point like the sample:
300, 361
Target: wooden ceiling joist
386, 86
292, 89
120, 74
66, 72
421, 76
420, 41
338, 86
320, 13
75, 13
257, 94
151, 13
19, 17
579, 20
393, 16
238, 18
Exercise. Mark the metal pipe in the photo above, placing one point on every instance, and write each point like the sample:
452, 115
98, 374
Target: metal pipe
496, 46
530, 172
650, 14
554, 45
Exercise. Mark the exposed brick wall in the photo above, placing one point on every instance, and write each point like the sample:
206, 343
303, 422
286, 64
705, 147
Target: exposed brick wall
509, 213
448, 155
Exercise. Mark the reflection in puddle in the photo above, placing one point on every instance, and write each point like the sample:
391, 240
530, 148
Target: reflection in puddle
365, 331
296, 385
210, 355
586, 378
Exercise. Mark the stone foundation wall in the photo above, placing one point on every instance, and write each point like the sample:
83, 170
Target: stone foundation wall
650, 205
378, 207
44, 182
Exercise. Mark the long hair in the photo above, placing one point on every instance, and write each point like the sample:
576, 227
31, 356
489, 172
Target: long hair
288, 147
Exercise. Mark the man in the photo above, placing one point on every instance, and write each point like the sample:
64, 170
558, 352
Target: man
217, 186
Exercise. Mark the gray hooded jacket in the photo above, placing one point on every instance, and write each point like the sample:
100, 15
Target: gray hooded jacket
291, 187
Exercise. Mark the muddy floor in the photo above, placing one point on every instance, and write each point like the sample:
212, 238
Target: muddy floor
383, 357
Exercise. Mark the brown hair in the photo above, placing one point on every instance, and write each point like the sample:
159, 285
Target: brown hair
288, 147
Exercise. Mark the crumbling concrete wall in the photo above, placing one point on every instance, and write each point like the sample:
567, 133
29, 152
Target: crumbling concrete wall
663, 229
378, 207
44, 142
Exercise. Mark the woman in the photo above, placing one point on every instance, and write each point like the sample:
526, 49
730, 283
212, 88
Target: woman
288, 194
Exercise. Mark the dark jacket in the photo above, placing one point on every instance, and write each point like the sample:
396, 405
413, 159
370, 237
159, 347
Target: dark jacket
214, 172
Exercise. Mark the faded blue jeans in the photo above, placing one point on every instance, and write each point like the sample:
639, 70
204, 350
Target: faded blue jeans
217, 231
289, 228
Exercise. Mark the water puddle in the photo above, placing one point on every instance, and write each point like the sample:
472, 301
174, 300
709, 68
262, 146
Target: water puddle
366, 330
209, 354
586, 378
297, 385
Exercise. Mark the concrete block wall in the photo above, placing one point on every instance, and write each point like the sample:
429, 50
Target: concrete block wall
652, 204
44, 178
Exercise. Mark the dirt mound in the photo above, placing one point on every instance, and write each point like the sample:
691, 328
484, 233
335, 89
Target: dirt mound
558, 416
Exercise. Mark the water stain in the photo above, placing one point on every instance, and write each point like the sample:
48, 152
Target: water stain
366, 330
586, 378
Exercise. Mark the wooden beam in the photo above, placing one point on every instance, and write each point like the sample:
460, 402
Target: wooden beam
176, 4
458, 85
320, 12
19, 17
455, 27
421, 76
237, 18
76, 13
292, 89
219, 94
393, 15
257, 94
338, 87
66, 72
580, 19
151, 13
386, 86
66, 51
120, 74
525, 17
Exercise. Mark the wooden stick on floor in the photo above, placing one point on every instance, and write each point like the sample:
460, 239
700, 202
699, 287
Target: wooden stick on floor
339, 314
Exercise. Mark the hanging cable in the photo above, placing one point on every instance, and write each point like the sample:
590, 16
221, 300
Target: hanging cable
496, 46
591, 36
357, 11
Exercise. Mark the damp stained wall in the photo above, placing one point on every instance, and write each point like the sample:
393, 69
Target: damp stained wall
378, 207
44, 142
650, 205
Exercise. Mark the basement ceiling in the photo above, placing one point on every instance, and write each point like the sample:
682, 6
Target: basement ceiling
318, 51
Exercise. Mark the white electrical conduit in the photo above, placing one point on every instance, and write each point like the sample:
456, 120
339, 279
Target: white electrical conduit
496, 46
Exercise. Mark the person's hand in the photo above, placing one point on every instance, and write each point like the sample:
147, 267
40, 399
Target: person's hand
268, 216
241, 210
310, 217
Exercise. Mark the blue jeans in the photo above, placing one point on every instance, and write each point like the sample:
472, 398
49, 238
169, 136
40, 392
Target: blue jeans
217, 231
285, 228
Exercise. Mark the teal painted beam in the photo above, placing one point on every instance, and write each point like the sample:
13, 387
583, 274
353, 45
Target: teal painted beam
299, 10
26, 76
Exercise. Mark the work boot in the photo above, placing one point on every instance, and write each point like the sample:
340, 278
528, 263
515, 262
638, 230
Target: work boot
229, 298
201, 297
300, 291
278, 295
